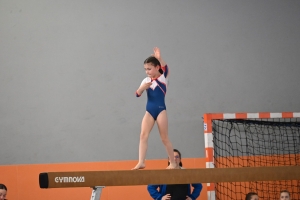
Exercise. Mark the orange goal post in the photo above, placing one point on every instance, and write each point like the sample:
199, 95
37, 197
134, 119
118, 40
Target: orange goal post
234, 140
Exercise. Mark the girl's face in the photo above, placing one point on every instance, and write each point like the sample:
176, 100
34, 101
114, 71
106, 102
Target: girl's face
151, 71
284, 196
177, 158
254, 197
2, 194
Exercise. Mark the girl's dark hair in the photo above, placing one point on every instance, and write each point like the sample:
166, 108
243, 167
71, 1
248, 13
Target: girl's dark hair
3, 187
249, 195
154, 62
175, 150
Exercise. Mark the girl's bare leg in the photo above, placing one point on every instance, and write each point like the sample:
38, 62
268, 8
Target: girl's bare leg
162, 123
147, 125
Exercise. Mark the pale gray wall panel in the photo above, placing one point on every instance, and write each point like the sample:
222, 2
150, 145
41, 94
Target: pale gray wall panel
69, 70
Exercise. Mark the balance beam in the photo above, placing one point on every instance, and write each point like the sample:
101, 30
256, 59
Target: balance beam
166, 176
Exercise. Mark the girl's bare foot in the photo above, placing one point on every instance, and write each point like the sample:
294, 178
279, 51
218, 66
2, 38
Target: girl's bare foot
172, 166
139, 166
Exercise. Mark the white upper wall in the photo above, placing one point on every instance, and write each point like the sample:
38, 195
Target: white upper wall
69, 70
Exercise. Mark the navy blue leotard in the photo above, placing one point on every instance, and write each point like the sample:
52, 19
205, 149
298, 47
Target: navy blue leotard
156, 93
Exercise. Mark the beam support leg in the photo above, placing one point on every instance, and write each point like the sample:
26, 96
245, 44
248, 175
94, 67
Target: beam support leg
96, 193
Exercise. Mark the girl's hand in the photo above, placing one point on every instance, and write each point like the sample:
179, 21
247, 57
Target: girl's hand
166, 197
157, 53
145, 86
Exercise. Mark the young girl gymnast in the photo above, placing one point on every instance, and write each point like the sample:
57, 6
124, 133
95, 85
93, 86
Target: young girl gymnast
156, 86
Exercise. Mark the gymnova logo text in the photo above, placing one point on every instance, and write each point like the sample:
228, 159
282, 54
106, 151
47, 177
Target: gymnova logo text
79, 179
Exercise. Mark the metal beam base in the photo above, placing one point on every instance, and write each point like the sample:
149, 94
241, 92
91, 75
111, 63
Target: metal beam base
96, 193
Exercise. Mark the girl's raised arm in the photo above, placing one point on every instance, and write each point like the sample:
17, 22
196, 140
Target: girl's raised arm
158, 56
